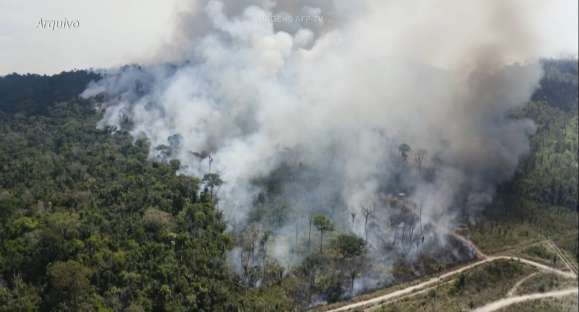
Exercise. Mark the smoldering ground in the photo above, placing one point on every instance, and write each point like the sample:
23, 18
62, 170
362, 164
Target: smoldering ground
310, 118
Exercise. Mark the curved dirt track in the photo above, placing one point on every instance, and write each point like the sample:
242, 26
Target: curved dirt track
503, 303
563, 256
433, 281
519, 283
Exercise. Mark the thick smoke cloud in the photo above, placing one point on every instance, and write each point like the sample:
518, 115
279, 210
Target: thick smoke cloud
310, 112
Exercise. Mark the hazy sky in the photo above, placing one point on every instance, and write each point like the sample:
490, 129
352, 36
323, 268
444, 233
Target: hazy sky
113, 32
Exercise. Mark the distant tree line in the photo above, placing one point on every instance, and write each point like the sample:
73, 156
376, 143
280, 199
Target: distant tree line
35, 94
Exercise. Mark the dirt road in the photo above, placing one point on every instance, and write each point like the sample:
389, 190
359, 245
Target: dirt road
563, 256
503, 303
519, 283
418, 287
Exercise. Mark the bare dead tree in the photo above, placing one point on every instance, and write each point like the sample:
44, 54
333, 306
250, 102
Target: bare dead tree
420, 219
419, 158
201, 156
263, 252
367, 212
399, 234
310, 223
210, 162
296, 238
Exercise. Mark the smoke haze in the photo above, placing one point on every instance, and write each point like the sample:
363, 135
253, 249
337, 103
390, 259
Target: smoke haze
309, 113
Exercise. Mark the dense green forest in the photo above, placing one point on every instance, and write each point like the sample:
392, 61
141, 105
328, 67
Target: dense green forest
89, 223
36, 94
549, 174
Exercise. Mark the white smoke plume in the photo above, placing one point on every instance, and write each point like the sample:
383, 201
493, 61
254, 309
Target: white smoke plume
307, 102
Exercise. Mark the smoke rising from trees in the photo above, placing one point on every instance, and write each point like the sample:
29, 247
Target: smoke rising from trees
308, 118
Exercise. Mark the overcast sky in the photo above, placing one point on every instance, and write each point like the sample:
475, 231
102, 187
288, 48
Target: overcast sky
113, 32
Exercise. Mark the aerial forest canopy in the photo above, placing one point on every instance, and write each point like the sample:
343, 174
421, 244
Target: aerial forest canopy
90, 222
